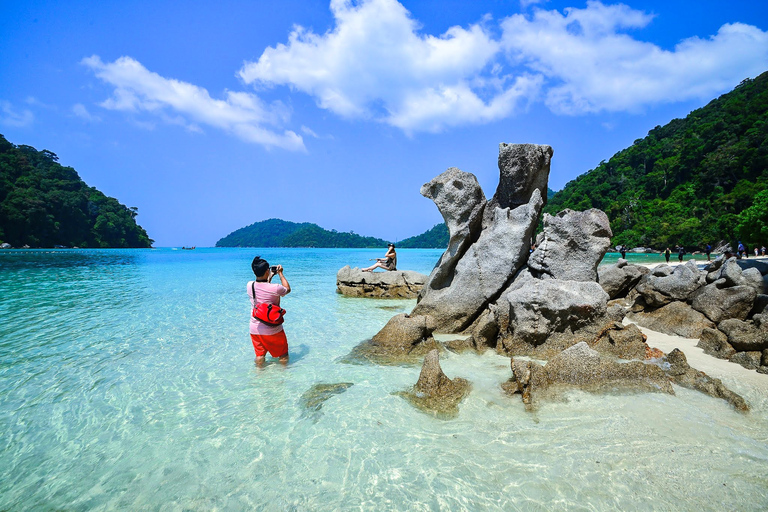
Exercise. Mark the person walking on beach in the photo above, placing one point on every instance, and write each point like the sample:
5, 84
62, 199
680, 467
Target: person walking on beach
265, 337
623, 251
708, 250
680, 253
667, 254
388, 262
741, 249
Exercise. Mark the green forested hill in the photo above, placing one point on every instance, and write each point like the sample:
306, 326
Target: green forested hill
43, 204
435, 238
281, 233
694, 181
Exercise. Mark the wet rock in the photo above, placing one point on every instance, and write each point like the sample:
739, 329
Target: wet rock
676, 318
719, 304
744, 336
763, 370
582, 367
485, 330
683, 375
543, 307
749, 360
403, 340
401, 284
764, 358
617, 280
621, 341
715, 343
572, 246
434, 392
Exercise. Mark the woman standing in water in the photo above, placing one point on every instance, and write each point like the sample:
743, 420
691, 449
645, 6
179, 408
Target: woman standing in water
388, 262
265, 337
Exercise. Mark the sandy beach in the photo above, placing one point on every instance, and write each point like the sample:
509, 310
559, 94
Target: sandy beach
714, 367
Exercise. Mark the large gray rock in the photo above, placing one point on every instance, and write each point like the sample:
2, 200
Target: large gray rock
572, 247
542, 307
484, 270
392, 284
434, 392
676, 318
730, 273
678, 285
621, 341
523, 168
722, 303
461, 202
617, 280
744, 336
760, 265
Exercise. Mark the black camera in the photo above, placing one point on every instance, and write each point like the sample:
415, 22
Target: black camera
273, 268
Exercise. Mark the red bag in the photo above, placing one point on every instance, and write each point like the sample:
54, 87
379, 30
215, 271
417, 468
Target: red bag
270, 314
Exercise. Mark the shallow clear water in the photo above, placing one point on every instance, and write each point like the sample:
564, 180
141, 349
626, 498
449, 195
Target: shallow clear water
127, 382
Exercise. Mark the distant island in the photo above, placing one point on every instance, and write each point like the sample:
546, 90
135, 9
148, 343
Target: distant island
282, 233
693, 181
44, 204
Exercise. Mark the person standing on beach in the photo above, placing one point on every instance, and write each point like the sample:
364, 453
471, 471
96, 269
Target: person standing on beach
680, 253
708, 250
667, 254
267, 338
623, 251
740, 249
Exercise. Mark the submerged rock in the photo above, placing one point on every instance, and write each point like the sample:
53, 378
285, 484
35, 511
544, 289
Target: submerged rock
434, 392
313, 399
397, 284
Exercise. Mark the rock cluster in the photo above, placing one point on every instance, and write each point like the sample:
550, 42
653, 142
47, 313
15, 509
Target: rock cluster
725, 305
495, 290
396, 284
488, 283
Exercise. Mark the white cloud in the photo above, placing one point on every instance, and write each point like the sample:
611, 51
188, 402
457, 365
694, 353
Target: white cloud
80, 111
139, 90
593, 66
375, 64
527, 3
9, 116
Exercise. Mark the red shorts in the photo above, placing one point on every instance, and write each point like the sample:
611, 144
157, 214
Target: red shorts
275, 344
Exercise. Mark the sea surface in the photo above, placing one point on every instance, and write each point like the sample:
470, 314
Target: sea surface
127, 382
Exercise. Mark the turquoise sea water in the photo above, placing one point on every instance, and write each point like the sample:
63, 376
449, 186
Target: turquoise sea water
127, 382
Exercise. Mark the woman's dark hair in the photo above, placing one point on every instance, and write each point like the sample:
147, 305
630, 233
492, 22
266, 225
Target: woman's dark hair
259, 266
391, 245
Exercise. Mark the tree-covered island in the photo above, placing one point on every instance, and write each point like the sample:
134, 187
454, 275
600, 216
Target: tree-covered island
44, 204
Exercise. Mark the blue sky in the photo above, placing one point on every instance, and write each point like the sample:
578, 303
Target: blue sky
209, 116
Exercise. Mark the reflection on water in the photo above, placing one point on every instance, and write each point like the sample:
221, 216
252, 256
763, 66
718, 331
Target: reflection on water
127, 381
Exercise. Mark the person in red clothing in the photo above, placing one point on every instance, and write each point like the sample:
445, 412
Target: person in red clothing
267, 338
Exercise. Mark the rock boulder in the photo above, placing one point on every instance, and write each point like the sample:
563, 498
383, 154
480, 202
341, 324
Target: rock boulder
396, 284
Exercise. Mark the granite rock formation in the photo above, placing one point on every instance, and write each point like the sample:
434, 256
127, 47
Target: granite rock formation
396, 284
434, 392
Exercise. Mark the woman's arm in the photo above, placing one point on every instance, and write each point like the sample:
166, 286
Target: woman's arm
283, 280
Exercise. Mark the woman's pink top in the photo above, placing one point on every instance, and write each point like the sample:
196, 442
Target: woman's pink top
269, 293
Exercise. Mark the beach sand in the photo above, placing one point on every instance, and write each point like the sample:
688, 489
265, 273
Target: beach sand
712, 366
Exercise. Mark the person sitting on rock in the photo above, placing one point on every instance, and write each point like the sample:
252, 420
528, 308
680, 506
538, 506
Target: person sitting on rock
388, 262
